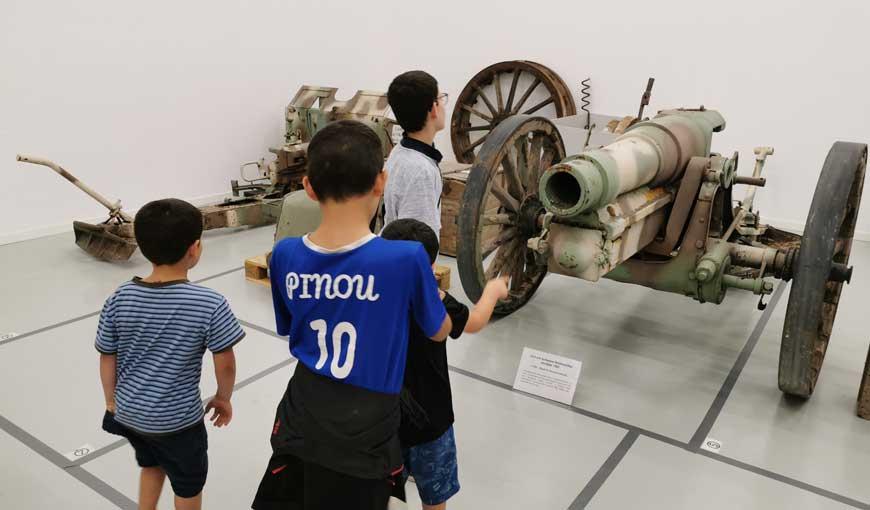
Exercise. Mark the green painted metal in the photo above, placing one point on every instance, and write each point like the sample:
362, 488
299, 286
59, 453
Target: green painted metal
596, 179
713, 263
702, 123
705, 281
709, 273
673, 277
757, 286
299, 216
303, 123
654, 152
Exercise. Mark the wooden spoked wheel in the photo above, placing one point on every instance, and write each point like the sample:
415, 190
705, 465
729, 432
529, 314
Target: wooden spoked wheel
516, 87
821, 268
500, 209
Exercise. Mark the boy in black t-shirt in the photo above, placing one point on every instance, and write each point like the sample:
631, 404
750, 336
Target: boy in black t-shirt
426, 431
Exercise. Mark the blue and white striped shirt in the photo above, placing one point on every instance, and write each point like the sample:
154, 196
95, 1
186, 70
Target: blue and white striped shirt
160, 332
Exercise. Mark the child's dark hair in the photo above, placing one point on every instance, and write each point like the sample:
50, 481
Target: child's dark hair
408, 229
344, 159
166, 228
411, 96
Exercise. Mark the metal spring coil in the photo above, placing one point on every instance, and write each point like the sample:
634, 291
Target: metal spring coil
584, 99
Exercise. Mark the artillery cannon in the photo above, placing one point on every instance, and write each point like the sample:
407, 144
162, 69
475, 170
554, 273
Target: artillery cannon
653, 207
259, 201
309, 110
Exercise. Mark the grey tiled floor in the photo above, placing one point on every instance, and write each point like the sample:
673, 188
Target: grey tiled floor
653, 365
656, 476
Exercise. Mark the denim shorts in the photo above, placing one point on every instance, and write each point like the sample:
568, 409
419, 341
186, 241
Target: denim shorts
434, 468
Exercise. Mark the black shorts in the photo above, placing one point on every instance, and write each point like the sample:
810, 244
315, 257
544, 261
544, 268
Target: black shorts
181, 455
292, 484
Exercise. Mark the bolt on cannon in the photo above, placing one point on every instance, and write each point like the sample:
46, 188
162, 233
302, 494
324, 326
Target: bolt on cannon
654, 207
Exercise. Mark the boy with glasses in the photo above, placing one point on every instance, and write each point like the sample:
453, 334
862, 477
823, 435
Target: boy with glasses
414, 187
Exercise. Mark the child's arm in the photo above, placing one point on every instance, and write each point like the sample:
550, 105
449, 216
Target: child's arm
479, 316
426, 305
224, 332
442, 333
225, 373
108, 376
107, 345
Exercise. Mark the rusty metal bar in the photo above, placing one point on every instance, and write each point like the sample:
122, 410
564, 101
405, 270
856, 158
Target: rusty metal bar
113, 207
751, 181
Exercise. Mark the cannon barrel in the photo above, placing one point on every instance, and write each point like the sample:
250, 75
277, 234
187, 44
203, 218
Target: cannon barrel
651, 153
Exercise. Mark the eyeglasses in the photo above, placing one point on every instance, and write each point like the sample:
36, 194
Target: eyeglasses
442, 98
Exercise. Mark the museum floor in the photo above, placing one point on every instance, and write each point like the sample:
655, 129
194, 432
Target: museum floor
660, 375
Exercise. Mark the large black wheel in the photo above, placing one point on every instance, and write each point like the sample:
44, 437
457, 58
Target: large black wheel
499, 91
821, 268
500, 209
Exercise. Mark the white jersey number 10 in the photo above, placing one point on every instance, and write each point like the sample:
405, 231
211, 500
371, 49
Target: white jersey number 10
343, 328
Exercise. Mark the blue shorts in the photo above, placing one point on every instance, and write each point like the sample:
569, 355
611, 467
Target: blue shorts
434, 468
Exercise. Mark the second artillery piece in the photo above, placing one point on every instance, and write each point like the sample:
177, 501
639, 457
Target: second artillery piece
257, 201
654, 207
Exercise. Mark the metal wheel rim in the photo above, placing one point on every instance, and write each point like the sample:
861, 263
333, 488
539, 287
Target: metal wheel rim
496, 110
505, 177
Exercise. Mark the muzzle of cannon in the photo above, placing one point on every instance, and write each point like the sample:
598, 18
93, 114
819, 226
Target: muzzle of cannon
621, 191
652, 153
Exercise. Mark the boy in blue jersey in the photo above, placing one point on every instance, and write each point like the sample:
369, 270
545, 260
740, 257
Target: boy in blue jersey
426, 432
345, 299
151, 337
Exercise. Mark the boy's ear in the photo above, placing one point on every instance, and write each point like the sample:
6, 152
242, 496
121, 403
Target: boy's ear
380, 183
308, 189
194, 248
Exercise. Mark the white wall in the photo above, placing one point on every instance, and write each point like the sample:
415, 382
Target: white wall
166, 98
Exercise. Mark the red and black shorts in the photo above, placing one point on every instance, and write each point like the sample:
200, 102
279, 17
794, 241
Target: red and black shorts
293, 484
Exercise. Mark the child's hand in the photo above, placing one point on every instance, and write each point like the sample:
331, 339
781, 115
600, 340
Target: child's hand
223, 411
497, 288
479, 316
110, 406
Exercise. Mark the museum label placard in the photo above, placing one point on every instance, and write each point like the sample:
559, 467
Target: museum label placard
548, 375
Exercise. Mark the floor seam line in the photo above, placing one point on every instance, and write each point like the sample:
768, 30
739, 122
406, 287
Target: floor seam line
223, 273
238, 386
58, 460
631, 431
261, 329
91, 314
674, 442
730, 381
576, 410
109, 448
604, 471
778, 477
48, 328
